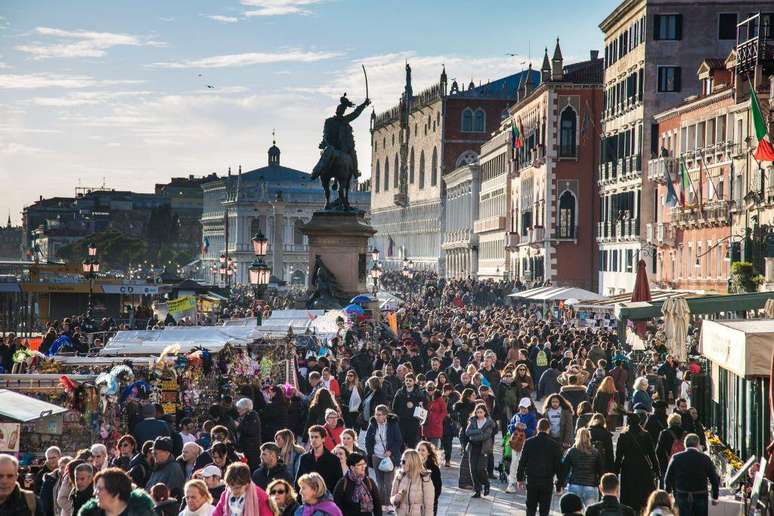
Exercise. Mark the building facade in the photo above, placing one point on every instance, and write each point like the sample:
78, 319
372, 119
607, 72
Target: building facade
552, 201
490, 227
10, 241
413, 146
697, 146
652, 49
185, 200
275, 200
460, 242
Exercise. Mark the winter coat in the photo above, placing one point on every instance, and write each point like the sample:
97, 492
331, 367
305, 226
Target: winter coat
140, 504
643, 397
264, 509
249, 434
324, 507
169, 474
664, 445
46, 492
333, 435
394, 442
405, 402
263, 476
418, 495
328, 466
602, 440
19, 503
480, 438
634, 458
581, 468
548, 383
529, 419
540, 461
575, 394
509, 395
342, 495
656, 423
436, 413
611, 505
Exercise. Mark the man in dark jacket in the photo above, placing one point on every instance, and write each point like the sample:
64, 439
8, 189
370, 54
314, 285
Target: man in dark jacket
687, 476
46, 478
84, 486
149, 428
249, 432
573, 392
271, 467
609, 486
658, 420
15, 501
407, 399
166, 470
318, 459
540, 463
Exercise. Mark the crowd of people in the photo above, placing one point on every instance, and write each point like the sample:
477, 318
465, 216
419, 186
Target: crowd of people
375, 417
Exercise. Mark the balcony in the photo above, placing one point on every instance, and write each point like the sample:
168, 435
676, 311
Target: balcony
656, 169
713, 213
296, 248
496, 223
512, 240
665, 234
536, 235
628, 229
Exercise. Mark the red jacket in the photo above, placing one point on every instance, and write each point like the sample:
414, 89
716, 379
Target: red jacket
436, 413
333, 436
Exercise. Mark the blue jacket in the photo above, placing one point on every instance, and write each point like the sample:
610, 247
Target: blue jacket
394, 438
644, 398
529, 419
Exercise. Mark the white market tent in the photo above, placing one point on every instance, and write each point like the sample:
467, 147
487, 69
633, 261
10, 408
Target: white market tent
301, 321
743, 347
388, 301
545, 294
153, 342
19, 407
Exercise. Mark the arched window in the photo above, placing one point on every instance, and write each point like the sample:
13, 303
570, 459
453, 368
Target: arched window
256, 225
466, 158
411, 167
377, 177
479, 121
422, 169
386, 174
467, 120
569, 123
567, 215
434, 168
396, 173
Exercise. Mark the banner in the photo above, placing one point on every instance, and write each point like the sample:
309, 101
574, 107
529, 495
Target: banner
182, 307
392, 320
9, 437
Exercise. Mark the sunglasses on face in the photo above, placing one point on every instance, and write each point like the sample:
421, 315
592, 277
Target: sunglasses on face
277, 492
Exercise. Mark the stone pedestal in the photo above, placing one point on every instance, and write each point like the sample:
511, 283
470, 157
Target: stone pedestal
341, 241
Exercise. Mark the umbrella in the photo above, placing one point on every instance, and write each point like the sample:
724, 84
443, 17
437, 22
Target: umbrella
362, 298
768, 308
676, 317
354, 308
641, 292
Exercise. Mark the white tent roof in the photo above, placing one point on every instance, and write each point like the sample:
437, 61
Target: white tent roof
557, 294
320, 322
153, 342
744, 347
25, 408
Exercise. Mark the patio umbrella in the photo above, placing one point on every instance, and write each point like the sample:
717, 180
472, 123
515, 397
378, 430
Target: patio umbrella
362, 298
768, 308
354, 309
641, 292
676, 317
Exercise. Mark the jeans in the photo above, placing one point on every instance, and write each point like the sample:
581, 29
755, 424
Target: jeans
410, 432
691, 504
540, 495
588, 494
383, 481
478, 462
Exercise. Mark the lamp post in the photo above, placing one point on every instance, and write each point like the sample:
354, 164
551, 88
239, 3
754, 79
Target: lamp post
90, 270
376, 273
259, 272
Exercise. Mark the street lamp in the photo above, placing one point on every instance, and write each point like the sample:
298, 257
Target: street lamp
375, 255
90, 271
259, 272
376, 273
260, 244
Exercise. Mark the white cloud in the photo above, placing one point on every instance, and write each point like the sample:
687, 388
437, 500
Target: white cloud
250, 58
278, 7
53, 80
85, 98
81, 43
166, 19
13, 148
224, 19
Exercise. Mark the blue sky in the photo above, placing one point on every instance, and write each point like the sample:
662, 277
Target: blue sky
117, 91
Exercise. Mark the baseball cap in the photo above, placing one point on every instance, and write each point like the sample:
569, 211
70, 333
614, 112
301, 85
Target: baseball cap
211, 471
525, 402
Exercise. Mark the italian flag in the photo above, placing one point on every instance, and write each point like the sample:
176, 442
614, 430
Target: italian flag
685, 182
764, 152
516, 136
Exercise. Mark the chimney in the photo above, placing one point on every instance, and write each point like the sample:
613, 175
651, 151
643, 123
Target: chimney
594, 54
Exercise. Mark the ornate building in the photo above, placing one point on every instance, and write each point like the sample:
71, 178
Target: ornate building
552, 196
274, 199
413, 146
10, 241
460, 243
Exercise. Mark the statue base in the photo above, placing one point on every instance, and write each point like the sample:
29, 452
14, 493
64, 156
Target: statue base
340, 239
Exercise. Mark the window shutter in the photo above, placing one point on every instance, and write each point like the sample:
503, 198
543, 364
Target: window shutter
677, 78
679, 26
656, 27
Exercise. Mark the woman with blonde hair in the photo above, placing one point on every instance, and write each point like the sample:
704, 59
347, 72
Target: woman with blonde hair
412, 492
582, 467
198, 500
660, 503
606, 402
315, 498
290, 452
282, 497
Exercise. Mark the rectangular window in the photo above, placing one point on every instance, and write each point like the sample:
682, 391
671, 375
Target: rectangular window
667, 27
727, 26
668, 78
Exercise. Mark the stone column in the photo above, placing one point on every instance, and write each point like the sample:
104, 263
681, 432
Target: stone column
278, 245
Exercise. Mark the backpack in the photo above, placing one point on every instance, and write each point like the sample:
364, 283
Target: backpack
541, 359
677, 445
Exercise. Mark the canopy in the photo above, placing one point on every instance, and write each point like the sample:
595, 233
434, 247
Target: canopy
25, 408
743, 347
557, 294
320, 322
388, 301
677, 315
153, 342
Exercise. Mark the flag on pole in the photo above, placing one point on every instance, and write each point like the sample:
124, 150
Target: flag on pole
205, 245
516, 136
671, 196
764, 152
685, 182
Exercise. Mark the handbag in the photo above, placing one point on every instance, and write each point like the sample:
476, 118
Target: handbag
420, 413
386, 465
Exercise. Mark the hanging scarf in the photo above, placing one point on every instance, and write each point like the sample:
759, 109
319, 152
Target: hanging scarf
360, 493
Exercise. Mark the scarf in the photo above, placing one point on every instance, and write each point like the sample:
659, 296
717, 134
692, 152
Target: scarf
251, 504
324, 506
360, 493
204, 510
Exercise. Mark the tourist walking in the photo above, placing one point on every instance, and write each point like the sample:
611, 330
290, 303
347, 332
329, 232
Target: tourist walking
636, 462
383, 445
540, 465
687, 477
479, 432
582, 468
412, 491
609, 487
356, 494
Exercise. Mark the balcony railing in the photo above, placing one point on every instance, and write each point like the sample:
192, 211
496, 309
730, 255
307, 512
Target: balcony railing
656, 169
489, 224
536, 235
665, 234
628, 229
713, 213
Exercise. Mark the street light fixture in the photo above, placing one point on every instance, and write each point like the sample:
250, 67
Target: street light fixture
375, 254
90, 271
260, 244
259, 272
376, 273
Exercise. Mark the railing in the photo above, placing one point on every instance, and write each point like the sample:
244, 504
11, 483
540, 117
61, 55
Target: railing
536, 234
489, 224
710, 214
665, 234
656, 169
296, 248
567, 233
627, 229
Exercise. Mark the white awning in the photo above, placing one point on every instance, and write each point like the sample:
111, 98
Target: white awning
557, 294
743, 347
25, 408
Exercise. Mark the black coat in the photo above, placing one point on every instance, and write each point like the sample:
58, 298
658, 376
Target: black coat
263, 476
691, 470
634, 457
611, 504
249, 434
664, 445
602, 440
328, 466
342, 496
405, 402
16, 504
540, 461
274, 415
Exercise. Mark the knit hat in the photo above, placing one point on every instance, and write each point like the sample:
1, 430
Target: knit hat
570, 503
163, 444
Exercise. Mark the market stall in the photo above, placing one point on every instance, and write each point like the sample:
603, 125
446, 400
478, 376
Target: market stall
740, 354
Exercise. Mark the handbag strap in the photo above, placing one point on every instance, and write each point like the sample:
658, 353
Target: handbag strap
644, 455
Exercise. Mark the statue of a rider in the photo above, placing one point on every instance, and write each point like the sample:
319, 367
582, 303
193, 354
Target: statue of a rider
338, 138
